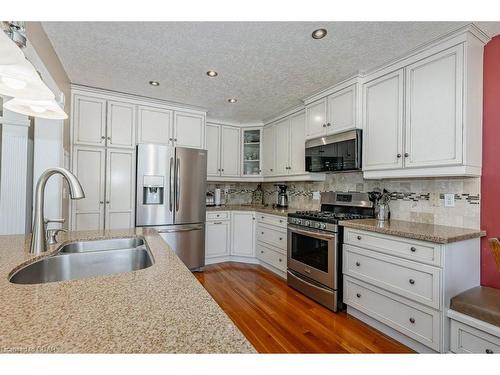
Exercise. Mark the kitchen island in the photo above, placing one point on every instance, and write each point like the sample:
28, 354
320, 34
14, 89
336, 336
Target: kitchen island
159, 309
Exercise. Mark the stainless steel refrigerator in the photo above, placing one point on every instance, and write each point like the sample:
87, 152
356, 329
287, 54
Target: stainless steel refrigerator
170, 197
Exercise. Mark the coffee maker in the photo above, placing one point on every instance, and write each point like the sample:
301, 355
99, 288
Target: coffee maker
282, 196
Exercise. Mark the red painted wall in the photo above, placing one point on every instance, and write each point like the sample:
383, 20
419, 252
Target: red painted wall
490, 180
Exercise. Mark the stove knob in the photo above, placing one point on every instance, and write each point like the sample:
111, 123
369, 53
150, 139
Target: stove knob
323, 226
307, 223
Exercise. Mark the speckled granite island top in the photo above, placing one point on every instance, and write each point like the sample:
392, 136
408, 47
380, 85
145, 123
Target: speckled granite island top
417, 231
160, 309
257, 208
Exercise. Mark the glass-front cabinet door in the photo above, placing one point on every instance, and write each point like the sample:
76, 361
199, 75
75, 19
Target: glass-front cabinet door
251, 152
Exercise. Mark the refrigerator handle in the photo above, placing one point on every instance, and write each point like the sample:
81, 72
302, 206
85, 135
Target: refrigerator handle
171, 183
178, 187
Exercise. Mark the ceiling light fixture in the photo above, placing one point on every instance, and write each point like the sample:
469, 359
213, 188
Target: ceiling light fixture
212, 73
10, 53
232, 100
154, 83
22, 81
319, 33
48, 109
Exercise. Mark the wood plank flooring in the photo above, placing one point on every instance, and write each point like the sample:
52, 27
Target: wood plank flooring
277, 319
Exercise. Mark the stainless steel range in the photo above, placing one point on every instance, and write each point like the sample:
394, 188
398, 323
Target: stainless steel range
315, 245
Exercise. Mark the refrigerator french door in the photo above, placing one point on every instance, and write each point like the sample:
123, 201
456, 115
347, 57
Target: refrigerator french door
171, 188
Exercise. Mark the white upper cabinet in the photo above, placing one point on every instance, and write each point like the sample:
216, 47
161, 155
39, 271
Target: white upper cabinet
296, 161
282, 133
334, 111
383, 122
268, 151
425, 118
316, 118
342, 110
154, 125
230, 151
434, 110
89, 121
189, 129
120, 188
120, 125
243, 234
213, 149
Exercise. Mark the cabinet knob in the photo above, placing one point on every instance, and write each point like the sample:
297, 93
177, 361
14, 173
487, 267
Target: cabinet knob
412, 282
358, 295
222, 169
271, 169
281, 221
170, 139
358, 237
399, 156
103, 137
412, 320
328, 124
261, 232
109, 138
413, 249
358, 264
101, 202
280, 259
175, 139
406, 154
489, 351
324, 125
281, 239
108, 202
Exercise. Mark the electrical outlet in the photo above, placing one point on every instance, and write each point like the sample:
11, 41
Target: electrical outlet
316, 195
449, 200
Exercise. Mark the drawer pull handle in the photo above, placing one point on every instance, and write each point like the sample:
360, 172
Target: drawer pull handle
489, 351
281, 239
412, 282
359, 237
413, 249
261, 232
358, 295
281, 221
412, 320
218, 222
358, 264
280, 259
262, 251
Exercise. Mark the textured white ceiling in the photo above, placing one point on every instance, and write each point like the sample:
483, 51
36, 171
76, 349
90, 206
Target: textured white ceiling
268, 66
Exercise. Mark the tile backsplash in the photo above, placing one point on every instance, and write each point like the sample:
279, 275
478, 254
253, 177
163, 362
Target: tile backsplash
417, 200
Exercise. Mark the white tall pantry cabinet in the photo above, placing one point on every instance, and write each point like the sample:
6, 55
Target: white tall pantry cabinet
105, 131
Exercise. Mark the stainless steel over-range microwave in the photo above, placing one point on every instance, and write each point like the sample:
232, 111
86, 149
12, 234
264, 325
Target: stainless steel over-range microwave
334, 153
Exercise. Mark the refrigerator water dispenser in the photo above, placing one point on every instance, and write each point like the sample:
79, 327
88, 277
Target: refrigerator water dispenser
153, 189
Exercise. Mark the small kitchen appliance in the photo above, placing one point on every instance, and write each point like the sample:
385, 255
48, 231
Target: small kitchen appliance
282, 196
314, 254
209, 200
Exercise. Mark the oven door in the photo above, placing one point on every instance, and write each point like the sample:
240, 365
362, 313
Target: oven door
313, 254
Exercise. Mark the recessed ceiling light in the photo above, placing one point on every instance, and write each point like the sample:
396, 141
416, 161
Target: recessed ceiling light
212, 73
154, 83
232, 100
319, 33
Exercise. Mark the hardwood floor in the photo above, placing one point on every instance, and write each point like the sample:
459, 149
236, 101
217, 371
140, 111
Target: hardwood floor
277, 319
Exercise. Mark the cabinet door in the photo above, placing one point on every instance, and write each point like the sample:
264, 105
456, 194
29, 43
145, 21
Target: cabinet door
230, 151
282, 134
342, 110
297, 144
189, 130
154, 125
217, 239
316, 119
243, 234
89, 166
268, 151
383, 122
89, 121
213, 150
121, 125
120, 181
434, 110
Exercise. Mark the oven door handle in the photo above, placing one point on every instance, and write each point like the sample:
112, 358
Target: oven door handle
311, 233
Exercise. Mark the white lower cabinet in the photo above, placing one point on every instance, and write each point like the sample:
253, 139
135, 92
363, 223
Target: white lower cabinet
232, 236
243, 234
470, 335
403, 286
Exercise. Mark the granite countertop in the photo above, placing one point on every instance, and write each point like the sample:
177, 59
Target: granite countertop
418, 231
481, 302
160, 309
252, 207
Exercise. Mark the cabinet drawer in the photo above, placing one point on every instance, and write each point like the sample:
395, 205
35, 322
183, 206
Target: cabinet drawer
411, 319
271, 257
419, 251
467, 339
222, 215
418, 282
279, 221
272, 236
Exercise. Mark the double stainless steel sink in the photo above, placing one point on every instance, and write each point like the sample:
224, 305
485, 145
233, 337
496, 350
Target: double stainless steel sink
83, 259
